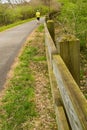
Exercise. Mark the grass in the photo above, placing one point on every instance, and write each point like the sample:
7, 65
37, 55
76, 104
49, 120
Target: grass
18, 102
81, 74
3, 28
38, 58
41, 27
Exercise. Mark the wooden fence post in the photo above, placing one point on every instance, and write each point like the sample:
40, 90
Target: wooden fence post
69, 49
50, 26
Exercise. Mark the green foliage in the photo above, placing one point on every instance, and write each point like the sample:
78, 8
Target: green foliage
9, 15
67, 11
81, 74
27, 12
40, 28
74, 18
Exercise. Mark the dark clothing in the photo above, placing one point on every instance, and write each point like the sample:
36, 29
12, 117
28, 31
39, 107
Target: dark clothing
38, 18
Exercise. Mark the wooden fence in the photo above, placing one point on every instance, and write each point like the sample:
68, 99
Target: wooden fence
69, 102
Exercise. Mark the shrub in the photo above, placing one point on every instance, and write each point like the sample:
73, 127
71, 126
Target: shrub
74, 18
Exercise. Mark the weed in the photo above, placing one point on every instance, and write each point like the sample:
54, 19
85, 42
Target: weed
81, 74
41, 27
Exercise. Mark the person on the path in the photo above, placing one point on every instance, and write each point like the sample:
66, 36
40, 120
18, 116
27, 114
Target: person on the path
38, 16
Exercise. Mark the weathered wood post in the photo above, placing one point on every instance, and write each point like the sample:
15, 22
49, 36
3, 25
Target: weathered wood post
69, 49
50, 26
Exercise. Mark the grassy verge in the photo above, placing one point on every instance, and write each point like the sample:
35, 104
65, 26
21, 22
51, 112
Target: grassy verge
27, 101
18, 104
3, 28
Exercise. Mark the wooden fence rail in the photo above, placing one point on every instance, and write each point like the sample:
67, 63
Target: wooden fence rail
70, 104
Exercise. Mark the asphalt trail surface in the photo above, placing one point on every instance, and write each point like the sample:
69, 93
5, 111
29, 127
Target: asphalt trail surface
10, 43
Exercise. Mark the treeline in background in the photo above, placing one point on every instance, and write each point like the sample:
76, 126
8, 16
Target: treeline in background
13, 12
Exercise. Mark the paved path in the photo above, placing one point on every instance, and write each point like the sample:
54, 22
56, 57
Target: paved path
10, 44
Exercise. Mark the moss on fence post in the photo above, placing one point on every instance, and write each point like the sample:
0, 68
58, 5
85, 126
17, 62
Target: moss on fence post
69, 49
50, 26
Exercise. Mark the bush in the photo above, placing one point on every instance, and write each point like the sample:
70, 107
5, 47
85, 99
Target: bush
27, 12
74, 18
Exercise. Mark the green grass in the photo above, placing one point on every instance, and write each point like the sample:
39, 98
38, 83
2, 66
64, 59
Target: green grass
39, 58
18, 102
3, 28
40, 28
81, 74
